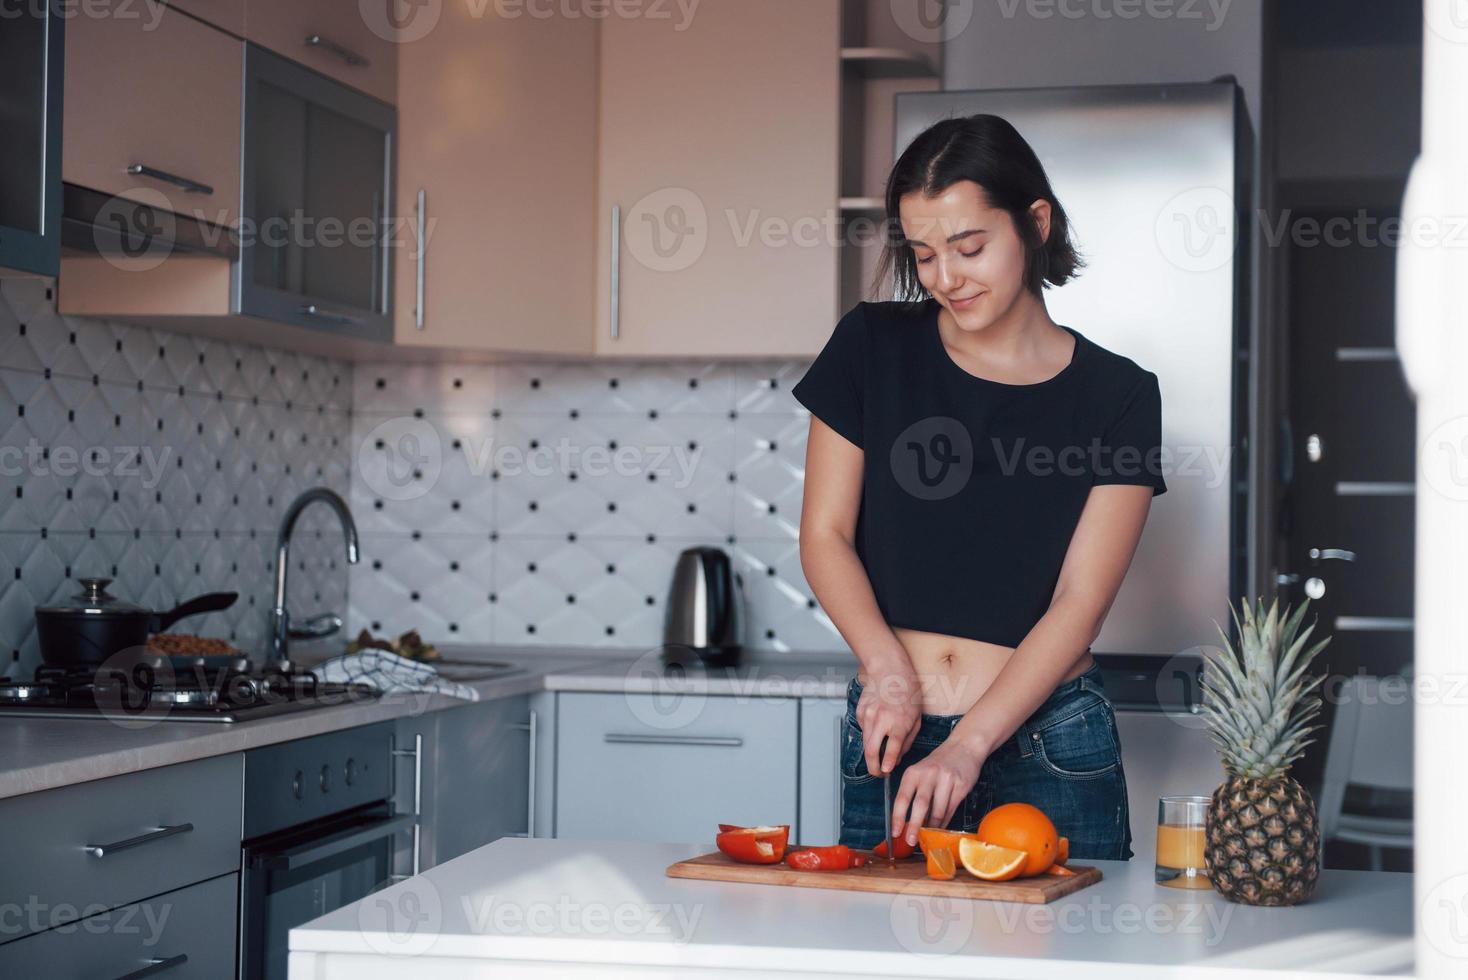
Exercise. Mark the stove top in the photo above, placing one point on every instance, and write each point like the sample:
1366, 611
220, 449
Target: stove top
164, 689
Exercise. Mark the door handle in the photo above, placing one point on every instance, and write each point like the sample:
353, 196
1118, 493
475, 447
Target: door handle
156, 966
417, 753
721, 741
340, 50
422, 210
1331, 554
153, 173
319, 313
102, 850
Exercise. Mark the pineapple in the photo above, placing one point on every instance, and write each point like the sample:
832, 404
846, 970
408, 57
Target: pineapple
1263, 840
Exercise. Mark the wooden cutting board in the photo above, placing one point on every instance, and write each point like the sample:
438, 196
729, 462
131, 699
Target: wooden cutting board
910, 877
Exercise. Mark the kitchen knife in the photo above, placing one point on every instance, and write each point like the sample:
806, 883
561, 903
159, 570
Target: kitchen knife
887, 805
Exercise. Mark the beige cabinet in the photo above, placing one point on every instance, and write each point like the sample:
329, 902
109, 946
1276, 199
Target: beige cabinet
497, 139
152, 111
353, 42
228, 15
719, 160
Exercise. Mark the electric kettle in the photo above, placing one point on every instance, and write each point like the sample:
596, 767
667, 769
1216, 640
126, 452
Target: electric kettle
705, 606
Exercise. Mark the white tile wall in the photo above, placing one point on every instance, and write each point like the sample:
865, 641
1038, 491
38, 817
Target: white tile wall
551, 499
226, 435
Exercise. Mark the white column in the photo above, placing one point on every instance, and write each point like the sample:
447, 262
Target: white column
1432, 338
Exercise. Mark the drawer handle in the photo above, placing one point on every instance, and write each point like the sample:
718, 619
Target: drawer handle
721, 741
192, 186
102, 850
156, 967
341, 51
319, 313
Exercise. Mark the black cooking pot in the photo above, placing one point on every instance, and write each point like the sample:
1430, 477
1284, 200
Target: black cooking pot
96, 625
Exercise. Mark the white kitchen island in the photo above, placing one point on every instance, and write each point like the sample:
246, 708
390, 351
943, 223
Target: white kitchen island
559, 908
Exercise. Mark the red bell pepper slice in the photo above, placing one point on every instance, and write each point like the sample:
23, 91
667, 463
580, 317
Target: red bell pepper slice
836, 857
753, 845
900, 848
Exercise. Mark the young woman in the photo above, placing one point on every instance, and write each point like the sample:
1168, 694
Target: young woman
977, 479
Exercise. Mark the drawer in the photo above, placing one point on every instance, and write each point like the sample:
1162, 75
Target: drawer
45, 845
350, 42
188, 934
651, 767
161, 91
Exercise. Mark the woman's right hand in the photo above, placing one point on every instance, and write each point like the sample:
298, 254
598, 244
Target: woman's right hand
890, 705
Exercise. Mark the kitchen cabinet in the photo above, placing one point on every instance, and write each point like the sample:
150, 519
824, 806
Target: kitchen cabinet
106, 843
820, 769
153, 111
227, 15
189, 933
718, 182
467, 773
31, 50
355, 43
496, 184
672, 767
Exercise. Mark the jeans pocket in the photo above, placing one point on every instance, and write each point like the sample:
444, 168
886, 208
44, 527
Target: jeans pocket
853, 753
1082, 744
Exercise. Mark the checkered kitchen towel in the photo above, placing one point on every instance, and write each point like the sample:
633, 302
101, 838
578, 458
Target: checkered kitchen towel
390, 674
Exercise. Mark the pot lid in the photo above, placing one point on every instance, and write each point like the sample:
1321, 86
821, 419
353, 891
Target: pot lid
95, 600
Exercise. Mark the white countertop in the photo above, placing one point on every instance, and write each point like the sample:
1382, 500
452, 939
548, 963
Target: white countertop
45, 753
564, 907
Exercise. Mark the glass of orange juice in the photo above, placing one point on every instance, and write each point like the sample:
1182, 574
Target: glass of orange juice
1180, 842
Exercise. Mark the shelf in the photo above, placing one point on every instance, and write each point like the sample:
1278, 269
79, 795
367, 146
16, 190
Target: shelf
888, 63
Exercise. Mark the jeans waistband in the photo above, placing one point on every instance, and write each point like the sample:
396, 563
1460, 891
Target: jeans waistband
940, 725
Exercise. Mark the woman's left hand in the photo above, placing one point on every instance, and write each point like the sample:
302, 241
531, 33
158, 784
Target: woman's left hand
934, 787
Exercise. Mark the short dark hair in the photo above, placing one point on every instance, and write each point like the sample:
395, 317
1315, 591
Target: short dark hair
989, 151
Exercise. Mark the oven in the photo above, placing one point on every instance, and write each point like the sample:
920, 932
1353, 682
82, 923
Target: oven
320, 833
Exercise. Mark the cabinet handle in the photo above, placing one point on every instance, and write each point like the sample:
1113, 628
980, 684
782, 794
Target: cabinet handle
340, 50
191, 186
156, 966
102, 850
417, 753
616, 271
720, 741
422, 250
530, 805
316, 312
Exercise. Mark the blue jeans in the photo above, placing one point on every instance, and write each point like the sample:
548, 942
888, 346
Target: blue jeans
1065, 759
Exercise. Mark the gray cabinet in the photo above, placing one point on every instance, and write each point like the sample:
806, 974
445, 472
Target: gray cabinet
31, 49
103, 844
187, 934
820, 769
467, 773
671, 768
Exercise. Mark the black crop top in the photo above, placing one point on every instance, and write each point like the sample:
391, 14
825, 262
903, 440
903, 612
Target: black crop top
973, 488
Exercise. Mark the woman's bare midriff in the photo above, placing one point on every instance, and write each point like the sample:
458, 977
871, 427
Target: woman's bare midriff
955, 671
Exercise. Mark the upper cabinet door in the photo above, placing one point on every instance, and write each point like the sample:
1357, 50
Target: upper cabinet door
497, 179
152, 110
228, 15
353, 42
31, 49
719, 155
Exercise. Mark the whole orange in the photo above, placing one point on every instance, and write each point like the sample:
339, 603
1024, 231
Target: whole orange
1024, 827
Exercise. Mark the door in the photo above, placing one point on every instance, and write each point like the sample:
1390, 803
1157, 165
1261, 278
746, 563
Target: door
718, 182
1348, 508
31, 48
497, 164
354, 43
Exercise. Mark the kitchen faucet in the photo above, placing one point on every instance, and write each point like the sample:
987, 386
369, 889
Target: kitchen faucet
281, 631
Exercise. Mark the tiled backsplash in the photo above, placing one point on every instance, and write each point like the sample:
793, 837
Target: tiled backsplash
547, 502
163, 461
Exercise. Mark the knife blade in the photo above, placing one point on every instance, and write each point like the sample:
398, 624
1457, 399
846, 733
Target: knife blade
887, 805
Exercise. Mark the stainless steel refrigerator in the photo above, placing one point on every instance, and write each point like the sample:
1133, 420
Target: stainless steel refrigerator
1148, 176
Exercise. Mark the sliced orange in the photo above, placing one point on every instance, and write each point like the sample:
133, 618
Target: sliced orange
1024, 827
1061, 870
932, 838
940, 863
1063, 854
990, 861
